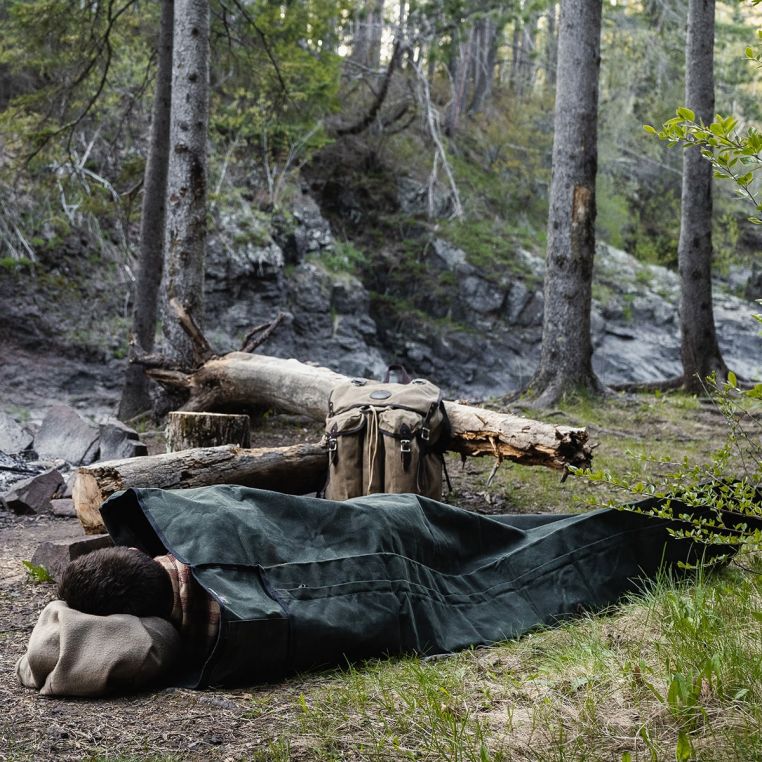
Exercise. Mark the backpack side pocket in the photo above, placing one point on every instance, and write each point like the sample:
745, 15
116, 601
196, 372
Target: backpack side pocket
345, 435
407, 464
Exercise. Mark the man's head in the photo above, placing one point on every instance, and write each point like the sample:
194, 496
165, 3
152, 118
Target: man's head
117, 581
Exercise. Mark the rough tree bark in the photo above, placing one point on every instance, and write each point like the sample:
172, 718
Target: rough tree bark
185, 240
566, 355
238, 381
186, 430
135, 396
699, 350
459, 68
484, 58
298, 469
368, 27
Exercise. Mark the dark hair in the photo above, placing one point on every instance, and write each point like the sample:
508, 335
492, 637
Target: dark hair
117, 581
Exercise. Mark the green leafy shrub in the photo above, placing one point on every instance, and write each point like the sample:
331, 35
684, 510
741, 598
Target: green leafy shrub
727, 488
38, 574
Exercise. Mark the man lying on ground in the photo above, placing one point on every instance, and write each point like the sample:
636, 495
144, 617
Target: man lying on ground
228, 585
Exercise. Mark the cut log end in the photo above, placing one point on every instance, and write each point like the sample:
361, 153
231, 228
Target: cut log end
88, 495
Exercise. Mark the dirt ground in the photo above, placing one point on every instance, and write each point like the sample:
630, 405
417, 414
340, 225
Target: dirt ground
172, 722
215, 725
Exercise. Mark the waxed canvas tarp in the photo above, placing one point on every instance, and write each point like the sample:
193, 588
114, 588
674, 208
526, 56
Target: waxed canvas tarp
305, 583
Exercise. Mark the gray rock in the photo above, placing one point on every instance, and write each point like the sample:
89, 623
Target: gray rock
312, 231
63, 507
753, 289
413, 198
33, 495
13, 437
55, 556
450, 256
519, 297
480, 295
242, 246
69, 488
13, 468
119, 441
530, 315
533, 264
64, 433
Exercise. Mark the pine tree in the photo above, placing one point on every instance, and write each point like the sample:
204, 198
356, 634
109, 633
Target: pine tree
565, 361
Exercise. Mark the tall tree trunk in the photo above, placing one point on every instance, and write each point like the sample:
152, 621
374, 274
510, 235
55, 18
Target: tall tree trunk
528, 45
551, 48
513, 77
523, 66
185, 241
135, 397
565, 361
484, 58
460, 66
699, 349
368, 27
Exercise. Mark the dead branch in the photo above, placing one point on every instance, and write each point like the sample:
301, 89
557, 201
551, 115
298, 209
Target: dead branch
252, 340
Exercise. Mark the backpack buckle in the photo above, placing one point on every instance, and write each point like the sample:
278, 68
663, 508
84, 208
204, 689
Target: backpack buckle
333, 445
406, 453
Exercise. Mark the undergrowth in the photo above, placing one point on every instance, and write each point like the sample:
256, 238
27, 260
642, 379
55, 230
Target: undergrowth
676, 673
673, 673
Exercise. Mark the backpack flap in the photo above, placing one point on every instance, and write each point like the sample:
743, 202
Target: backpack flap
385, 437
409, 464
417, 395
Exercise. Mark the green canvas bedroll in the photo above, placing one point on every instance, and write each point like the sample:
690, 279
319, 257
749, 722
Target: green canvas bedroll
305, 583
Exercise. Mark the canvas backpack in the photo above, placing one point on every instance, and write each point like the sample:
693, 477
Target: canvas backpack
385, 437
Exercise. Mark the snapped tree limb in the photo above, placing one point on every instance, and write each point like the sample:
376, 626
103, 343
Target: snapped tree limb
239, 381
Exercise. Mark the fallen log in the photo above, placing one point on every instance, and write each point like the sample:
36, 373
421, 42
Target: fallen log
298, 469
241, 381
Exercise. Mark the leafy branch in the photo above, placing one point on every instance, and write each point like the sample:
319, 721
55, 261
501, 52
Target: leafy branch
735, 154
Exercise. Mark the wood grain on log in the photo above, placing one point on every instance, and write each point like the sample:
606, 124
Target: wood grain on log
240, 381
298, 469
187, 430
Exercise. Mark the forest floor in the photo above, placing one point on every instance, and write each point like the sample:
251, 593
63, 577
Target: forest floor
594, 689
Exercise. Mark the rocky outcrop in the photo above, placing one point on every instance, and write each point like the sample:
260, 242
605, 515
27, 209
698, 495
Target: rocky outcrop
13, 436
483, 331
472, 328
327, 313
636, 327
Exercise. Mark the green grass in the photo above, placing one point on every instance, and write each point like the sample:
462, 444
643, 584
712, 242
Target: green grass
674, 673
406, 709
628, 431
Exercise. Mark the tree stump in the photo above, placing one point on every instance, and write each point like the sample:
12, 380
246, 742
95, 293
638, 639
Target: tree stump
186, 431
